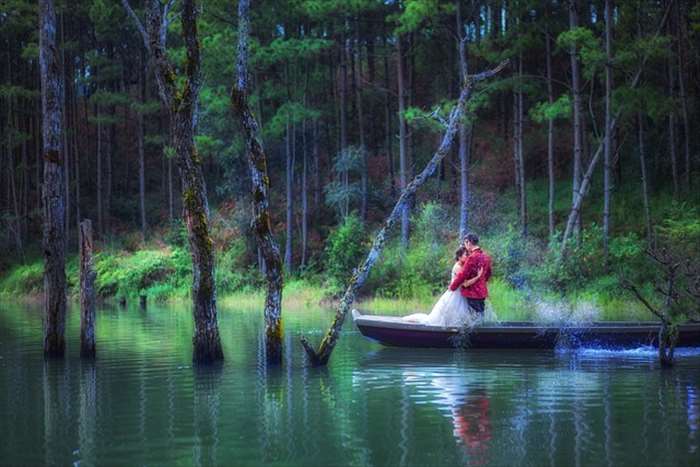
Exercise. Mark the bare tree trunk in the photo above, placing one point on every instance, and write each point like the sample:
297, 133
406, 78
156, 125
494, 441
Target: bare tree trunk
290, 198
87, 291
182, 104
361, 126
550, 134
52, 196
464, 131
387, 126
139, 138
304, 198
643, 169
345, 208
672, 131
323, 353
683, 97
76, 158
403, 137
65, 152
316, 166
577, 109
100, 217
607, 189
257, 163
521, 158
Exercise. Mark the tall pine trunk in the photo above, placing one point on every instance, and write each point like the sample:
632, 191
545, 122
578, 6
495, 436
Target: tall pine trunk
304, 197
607, 155
361, 126
52, 195
550, 135
464, 131
139, 138
403, 140
643, 175
577, 110
289, 197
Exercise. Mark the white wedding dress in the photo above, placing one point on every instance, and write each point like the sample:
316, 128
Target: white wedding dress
450, 310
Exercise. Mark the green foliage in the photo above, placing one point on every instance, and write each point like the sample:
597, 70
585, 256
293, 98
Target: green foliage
23, 279
560, 108
344, 250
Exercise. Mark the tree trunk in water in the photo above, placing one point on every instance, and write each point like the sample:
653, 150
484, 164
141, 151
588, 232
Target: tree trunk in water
403, 165
290, 197
550, 134
257, 164
182, 104
87, 291
577, 110
322, 355
607, 189
52, 196
643, 168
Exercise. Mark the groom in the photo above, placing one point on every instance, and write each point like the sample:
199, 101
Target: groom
477, 292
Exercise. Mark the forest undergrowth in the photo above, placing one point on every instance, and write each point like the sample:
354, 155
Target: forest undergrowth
531, 279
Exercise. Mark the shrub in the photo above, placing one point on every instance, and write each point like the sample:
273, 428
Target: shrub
23, 279
344, 250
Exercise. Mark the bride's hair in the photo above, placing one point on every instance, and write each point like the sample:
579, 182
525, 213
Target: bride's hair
460, 251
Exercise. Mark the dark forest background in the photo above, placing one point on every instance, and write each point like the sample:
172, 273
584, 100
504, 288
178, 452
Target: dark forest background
352, 97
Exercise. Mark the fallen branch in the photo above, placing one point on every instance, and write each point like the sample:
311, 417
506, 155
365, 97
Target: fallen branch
322, 355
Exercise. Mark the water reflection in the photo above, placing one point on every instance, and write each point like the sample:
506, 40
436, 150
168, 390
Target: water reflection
87, 422
142, 403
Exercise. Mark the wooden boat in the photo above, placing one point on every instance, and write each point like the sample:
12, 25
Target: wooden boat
394, 331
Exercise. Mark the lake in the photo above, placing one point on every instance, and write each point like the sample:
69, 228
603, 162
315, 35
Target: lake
142, 403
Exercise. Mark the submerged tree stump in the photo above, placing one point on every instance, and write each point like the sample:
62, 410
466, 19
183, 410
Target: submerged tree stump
87, 292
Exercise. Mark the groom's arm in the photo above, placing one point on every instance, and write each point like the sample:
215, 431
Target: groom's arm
461, 277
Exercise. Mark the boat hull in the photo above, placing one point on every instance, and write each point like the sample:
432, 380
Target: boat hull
393, 331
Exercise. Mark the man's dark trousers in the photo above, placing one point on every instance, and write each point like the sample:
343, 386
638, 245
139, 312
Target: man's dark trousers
476, 305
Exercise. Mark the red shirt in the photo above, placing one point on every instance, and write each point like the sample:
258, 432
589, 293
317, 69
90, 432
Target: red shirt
478, 290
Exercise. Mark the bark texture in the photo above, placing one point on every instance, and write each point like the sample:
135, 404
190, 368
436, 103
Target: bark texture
87, 291
181, 100
257, 164
321, 356
53, 203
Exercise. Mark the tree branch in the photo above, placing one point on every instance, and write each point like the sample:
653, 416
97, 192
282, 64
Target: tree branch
632, 288
137, 23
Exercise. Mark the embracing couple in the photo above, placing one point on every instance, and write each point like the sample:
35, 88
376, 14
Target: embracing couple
463, 302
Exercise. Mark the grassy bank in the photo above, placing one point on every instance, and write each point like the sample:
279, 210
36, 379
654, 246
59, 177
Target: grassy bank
163, 275
532, 281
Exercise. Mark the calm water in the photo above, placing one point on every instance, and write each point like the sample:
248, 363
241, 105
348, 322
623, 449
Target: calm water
142, 403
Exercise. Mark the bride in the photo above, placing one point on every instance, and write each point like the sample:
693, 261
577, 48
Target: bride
451, 309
